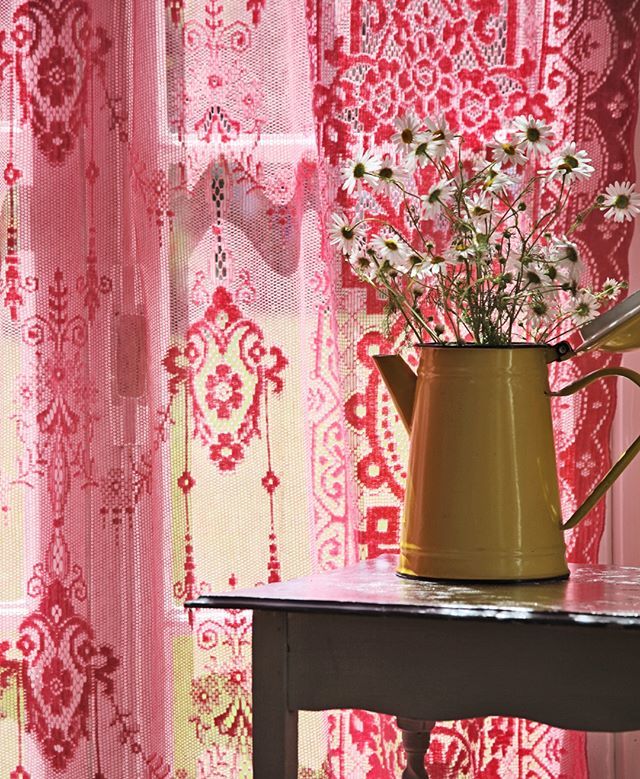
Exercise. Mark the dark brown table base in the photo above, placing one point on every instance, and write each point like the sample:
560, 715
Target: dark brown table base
564, 653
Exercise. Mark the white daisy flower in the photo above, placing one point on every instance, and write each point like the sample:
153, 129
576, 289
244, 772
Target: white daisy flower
461, 249
421, 271
425, 272
459, 252
534, 134
505, 149
407, 131
416, 261
431, 267
621, 202
535, 276
387, 173
344, 233
497, 181
478, 207
392, 249
425, 151
402, 264
441, 135
569, 163
356, 170
438, 195
362, 262
439, 264
612, 288
558, 275
480, 163
538, 312
565, 254
584, 307
439, 128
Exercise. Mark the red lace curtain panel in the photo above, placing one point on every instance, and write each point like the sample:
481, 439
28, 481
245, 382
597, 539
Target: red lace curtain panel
187, 398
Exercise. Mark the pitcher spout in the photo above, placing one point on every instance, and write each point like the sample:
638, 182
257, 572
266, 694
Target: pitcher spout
400, 381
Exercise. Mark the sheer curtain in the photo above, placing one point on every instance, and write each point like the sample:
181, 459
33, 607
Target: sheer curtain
187, 401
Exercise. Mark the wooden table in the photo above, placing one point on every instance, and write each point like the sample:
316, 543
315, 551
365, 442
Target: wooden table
563, 653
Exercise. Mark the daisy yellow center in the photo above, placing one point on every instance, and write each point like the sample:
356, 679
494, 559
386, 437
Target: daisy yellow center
622, 201
347, 232
583, 309
509, 148
407, 135
570, 254
533, 134
385, 173
571, 162
539, 308
359, 170
391, 244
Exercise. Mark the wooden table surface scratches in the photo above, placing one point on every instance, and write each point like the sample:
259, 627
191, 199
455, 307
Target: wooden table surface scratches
593, 594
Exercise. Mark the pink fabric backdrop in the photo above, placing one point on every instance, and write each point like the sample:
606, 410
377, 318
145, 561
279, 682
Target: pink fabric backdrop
187, 400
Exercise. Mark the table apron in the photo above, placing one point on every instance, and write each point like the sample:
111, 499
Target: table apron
578, 677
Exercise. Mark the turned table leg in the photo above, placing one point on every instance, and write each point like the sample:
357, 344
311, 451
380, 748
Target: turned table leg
416, 735
275, 726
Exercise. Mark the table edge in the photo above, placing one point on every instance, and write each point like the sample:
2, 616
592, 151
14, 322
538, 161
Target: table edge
394, 610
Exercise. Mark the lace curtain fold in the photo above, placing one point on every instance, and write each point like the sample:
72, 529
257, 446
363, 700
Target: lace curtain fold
188, 401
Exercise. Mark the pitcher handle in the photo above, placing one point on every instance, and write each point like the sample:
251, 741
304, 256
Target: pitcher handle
616, 469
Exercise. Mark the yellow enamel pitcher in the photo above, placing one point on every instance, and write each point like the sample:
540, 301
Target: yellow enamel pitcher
482, 499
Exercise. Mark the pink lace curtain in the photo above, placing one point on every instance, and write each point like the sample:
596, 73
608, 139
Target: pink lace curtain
187, 400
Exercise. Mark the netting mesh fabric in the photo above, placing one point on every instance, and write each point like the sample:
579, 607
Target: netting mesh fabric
188, 401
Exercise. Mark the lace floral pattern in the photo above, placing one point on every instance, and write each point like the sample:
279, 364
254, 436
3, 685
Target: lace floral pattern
188, 399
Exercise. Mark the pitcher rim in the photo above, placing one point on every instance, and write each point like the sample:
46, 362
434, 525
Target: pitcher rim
466, 345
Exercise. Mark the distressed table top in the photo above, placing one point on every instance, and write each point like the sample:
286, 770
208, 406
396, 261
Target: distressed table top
593, 594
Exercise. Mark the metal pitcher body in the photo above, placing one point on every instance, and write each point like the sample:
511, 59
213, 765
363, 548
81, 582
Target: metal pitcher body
482, 497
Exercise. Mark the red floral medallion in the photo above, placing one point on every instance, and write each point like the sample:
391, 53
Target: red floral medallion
62, 663
57, 49
224, 393
56, 76
226, 368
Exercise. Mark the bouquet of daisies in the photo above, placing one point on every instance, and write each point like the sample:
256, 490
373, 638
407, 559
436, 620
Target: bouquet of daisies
469, 250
